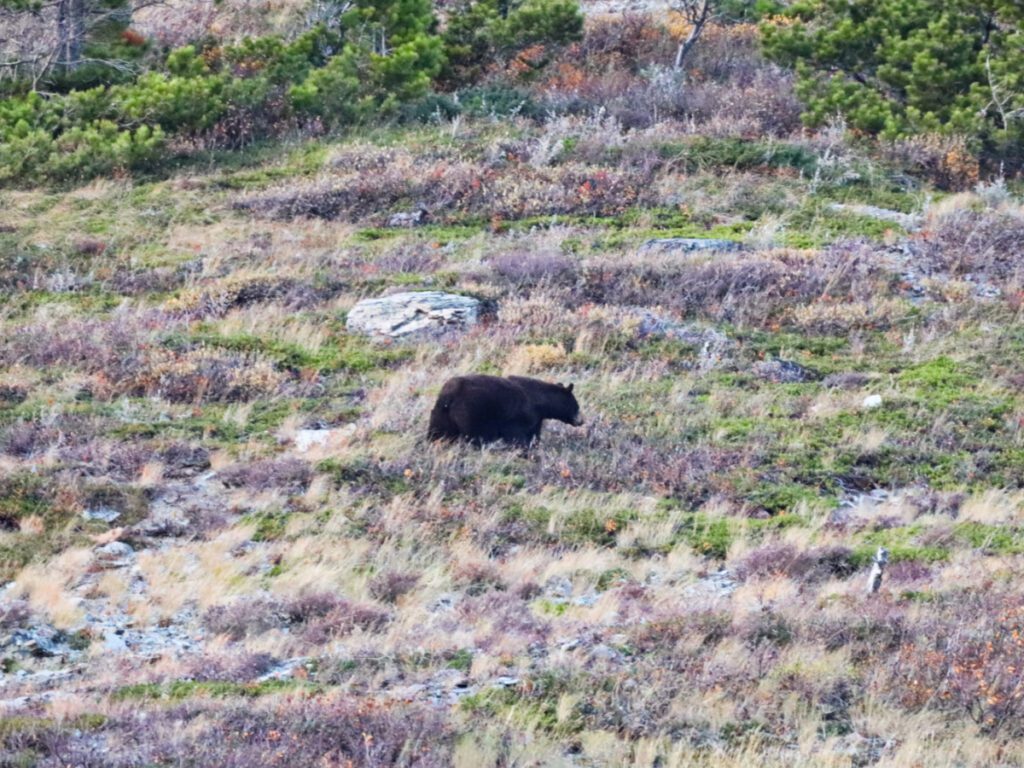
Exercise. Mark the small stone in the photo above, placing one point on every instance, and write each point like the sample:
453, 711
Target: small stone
116, 554
720, 584
444, 602
39, 642
846, 380
603, 652
308, 439
106, 514
409, 219
114, 642
285, 669
782, 371
872, 401
558, 586
909, 221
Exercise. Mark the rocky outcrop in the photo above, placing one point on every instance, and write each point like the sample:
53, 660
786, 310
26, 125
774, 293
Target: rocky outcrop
781, 371
690, 245
402, 315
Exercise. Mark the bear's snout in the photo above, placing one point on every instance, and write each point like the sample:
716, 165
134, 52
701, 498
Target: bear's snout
578, 420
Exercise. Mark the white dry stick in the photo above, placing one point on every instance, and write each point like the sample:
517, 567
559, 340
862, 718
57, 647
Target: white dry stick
877, 568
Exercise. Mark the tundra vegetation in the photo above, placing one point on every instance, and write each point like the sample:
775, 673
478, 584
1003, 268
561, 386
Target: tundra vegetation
224, 539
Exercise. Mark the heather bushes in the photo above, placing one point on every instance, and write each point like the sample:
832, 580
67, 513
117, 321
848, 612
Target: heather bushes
453, 187
305, 731
316, 617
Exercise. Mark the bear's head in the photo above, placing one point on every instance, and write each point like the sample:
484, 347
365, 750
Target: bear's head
566, 406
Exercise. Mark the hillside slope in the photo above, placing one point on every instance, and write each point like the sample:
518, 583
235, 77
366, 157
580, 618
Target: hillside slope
225, 540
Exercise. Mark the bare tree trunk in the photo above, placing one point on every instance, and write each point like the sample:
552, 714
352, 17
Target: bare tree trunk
70, 32
697, 16
877, 569
63, 29
77, 32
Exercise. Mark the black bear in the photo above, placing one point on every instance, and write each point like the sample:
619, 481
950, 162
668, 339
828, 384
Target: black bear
484, 409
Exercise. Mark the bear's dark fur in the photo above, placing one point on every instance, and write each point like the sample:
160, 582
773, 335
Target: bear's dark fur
484, 409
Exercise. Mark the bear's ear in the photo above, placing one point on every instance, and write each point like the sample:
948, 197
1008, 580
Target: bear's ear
569, 387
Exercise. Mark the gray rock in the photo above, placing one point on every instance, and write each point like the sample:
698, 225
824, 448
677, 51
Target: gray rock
846, 380
782, 371
653, 325
409, 219
862, 750
116, 554
690, 245
285, 669
444, 602
717, 584
42, 641
558, 587
106, 514
606, 653
406, 314
113, 641
714, 345
909, 221
308, 439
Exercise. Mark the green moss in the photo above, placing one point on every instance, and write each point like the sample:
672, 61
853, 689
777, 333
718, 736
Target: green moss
703, 153
184, 689
940, 381
592, 526
998, 539
27, 726
863, 555
341, 353
534, 705
814, 225
782, 497
270, 525
706, 535
612, 577
533, 518
461, 660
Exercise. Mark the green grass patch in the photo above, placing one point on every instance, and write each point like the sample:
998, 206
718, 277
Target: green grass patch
706, 535
270, 525
218, 689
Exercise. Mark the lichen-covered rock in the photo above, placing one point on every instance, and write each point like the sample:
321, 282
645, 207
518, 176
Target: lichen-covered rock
106, 514
690, 245
116, 554
409, 219
909, 221
406, 314
872, 401
649, 324
783, 371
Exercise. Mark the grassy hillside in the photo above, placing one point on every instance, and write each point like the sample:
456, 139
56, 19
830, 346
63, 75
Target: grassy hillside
682, 579
225, 541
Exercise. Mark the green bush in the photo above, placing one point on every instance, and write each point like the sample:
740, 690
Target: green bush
381, 55
897, 68
484, 31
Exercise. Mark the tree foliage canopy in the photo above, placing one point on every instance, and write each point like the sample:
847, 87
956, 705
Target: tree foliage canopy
900, 67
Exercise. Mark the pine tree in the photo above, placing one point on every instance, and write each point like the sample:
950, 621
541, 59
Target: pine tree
900, 67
